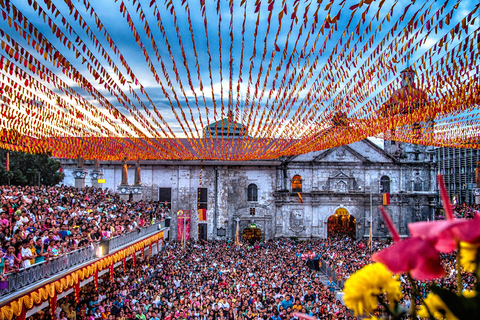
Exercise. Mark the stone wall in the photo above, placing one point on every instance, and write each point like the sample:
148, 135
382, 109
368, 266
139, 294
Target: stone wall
337, 178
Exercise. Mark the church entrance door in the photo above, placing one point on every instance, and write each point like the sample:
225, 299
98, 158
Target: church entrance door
252, 234
341, 223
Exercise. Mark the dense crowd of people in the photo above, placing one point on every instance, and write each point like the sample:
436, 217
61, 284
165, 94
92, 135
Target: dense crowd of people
38, 224
207, 280
211, 281
465, 210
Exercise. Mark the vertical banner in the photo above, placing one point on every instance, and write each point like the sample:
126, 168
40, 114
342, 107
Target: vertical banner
183, 225
77, 291
7, 164
95, 280
111, 273
53, 304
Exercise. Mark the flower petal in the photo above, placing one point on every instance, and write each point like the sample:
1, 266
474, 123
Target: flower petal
469, 230
447, 206
440, 233
413, 255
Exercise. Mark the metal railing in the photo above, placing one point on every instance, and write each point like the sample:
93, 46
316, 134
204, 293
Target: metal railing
46, 269
125, 239
325, 268
42, 270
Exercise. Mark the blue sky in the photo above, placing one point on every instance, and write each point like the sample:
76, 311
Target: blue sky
216, 87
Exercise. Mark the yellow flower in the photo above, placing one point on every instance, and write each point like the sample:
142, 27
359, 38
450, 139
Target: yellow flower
468, 256
469, 293
437, 307
364, 286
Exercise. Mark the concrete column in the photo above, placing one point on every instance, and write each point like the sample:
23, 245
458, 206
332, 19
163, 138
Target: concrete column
80, 175
95, 175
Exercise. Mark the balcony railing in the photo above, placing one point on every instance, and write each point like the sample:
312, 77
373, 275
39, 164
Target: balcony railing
125, 239
40, 271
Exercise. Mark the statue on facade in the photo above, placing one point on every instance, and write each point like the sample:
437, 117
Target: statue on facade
124, 171
80, 162
96, 165
138, 177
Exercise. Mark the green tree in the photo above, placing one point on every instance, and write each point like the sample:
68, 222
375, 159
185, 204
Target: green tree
27, 169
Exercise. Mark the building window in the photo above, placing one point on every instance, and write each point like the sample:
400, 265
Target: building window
297, 183
252, 211
385, 184
165, 197
252, 192
202, 200
418, 184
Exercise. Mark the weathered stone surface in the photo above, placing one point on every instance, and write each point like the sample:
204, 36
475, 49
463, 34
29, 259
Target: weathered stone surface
337, 178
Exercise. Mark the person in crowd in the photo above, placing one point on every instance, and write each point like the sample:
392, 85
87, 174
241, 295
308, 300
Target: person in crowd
44, 223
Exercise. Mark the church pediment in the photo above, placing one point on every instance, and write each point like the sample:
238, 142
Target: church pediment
371, 151
341, 175
341, 154
358, 152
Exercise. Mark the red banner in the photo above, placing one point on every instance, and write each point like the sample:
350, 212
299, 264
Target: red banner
183, 225
95, 280
53, 304
77, 292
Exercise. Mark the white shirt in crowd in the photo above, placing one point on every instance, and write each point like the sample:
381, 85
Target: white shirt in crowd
26, 253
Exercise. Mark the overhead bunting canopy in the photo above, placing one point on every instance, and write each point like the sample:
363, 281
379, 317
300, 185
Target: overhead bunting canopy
235, 80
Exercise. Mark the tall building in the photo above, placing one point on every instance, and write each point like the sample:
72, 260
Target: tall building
458, 169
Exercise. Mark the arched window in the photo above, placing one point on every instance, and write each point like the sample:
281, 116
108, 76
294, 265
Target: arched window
417, 184
297, 183
252, 192
385, 184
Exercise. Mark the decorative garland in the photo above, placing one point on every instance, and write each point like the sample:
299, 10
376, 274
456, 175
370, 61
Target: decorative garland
72, 280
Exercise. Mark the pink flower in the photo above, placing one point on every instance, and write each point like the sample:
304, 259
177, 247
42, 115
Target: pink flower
445, 234
414, 255
441, 234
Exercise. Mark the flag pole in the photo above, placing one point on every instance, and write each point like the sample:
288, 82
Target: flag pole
183, 233
371, 220
7, 164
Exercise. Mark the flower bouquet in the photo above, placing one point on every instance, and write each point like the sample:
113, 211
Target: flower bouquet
376, 290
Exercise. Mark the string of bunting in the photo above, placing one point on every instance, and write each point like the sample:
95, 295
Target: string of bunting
235, 80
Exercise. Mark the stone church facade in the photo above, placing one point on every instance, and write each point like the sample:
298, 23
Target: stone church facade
266, 192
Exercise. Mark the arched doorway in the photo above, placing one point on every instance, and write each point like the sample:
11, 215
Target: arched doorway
252, 234
341, 223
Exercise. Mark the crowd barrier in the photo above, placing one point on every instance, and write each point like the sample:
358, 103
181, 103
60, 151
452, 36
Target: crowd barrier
42, 270
330, 272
